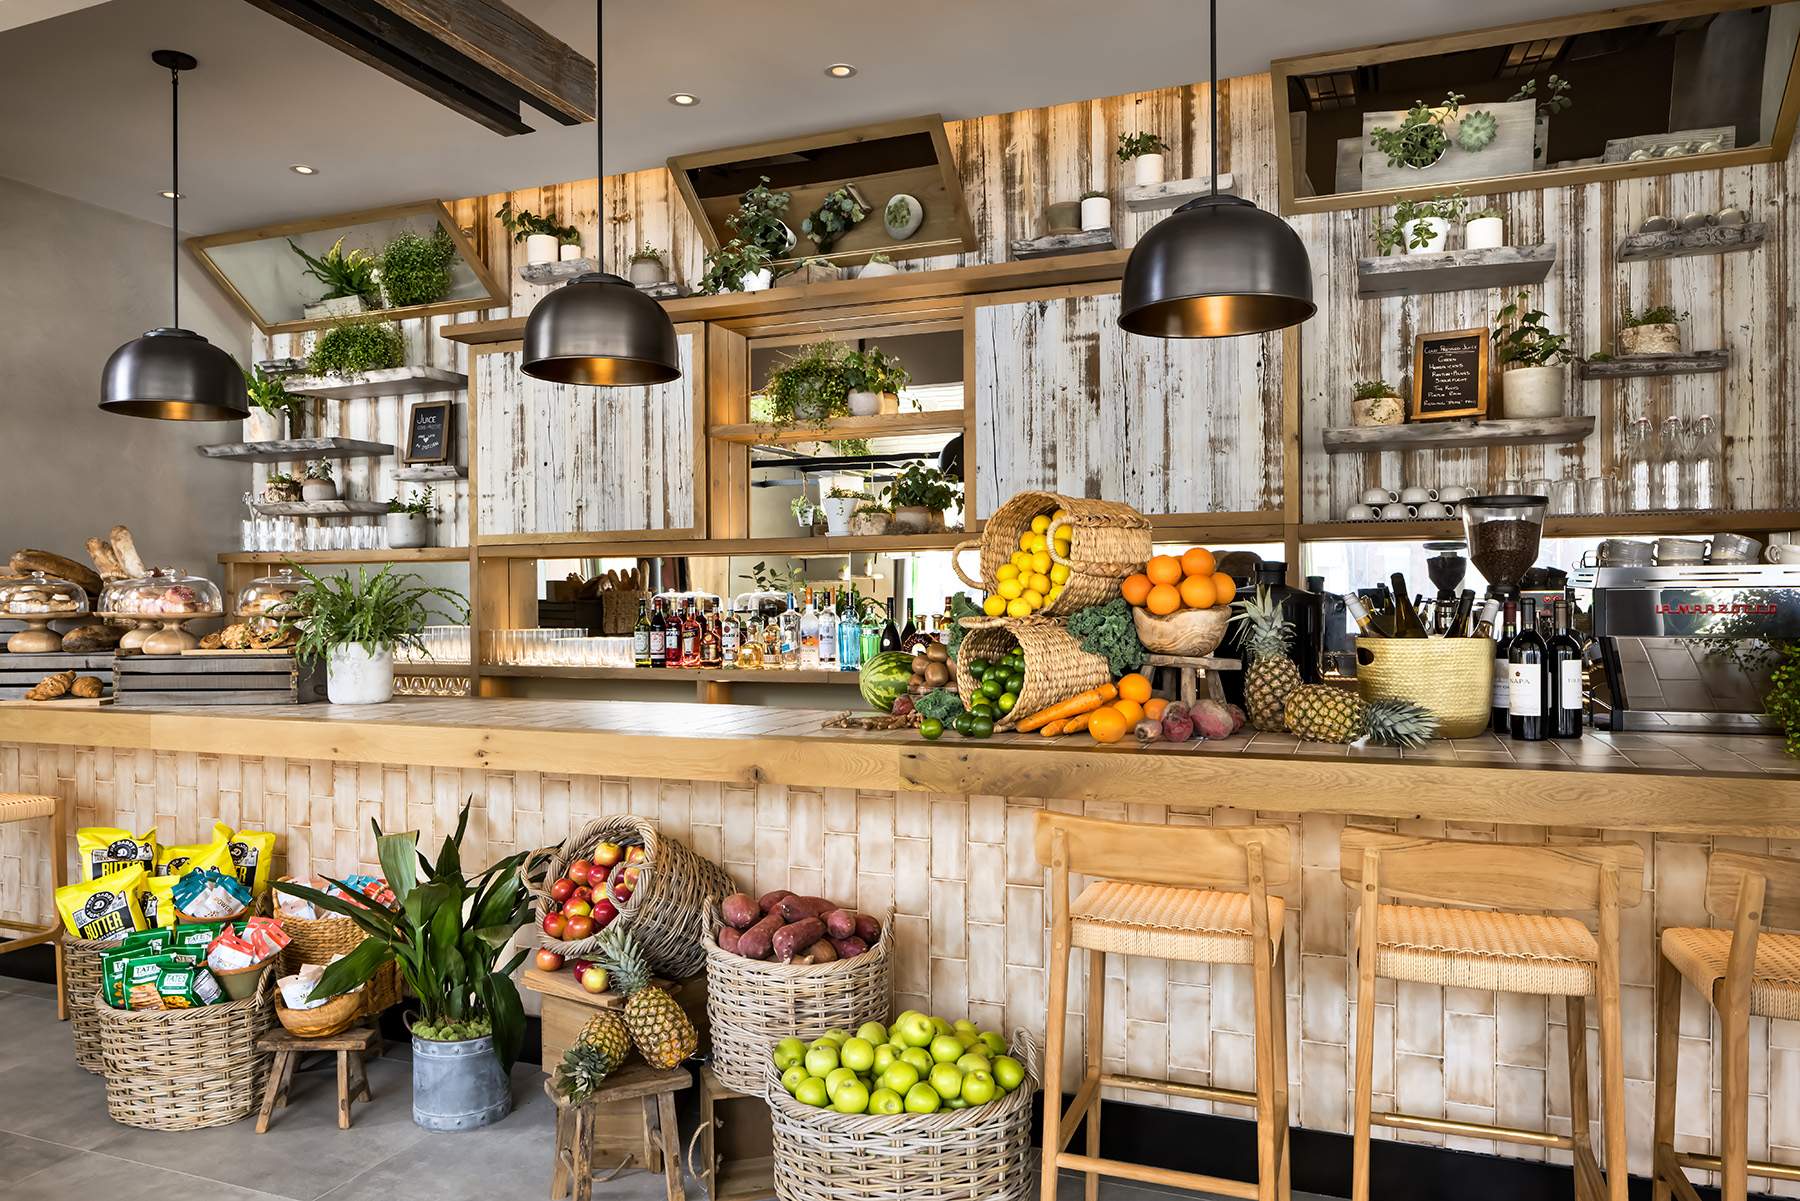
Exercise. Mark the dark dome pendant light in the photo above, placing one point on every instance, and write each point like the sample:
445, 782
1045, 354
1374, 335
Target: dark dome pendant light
1218, 266
173, 373
597, 329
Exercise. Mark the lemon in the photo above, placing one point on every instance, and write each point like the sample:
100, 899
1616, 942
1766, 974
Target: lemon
1059, 515
1035, 600
994, 606
1039, 543
1018, 608
1040, 563
1010, 589
1025, 540
1039, 524
1059, 572
1062, 544
1021, 559
1039, 584
1056, 590
1007, 571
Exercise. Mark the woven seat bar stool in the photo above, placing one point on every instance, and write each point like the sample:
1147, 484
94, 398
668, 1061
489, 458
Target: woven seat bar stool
1186, 893
24, 807
1546, 954
1743, 972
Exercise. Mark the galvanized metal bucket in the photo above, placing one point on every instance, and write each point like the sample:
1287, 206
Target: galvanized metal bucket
458, 1085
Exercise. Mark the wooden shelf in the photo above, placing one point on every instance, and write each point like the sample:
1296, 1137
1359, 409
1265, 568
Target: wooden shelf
1454, 270
1172, 193
427, 473
417, 554
883, 425
1633, 366
687, 675
558, 272
392, 381
1433, 435
1676, 243
320, 508
578, 547
1754, 520
296, 449
1380, 531
1049, 245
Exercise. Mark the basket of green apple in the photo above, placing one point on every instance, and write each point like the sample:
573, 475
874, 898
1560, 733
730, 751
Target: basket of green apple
925, 1108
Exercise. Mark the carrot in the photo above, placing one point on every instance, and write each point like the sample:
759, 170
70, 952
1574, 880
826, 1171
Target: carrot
1108, 692
1079, 722
1053, 729
1081, 702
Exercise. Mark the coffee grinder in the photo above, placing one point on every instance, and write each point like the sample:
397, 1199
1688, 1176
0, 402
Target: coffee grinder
1504, 533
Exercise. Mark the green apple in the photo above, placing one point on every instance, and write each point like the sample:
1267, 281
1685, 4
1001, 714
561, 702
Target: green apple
965, 1026
947, 1079
821, 1061
900, 1077
792, 1078
812, 1092
919, 1057
821, 1042
940, 1026
836, 1079
836, 1035
974, 1061
886, 1101
886, 1056
875, 1032
956, 1103
857, 1054
946, 1048
913, 1030
994, 1043
1009, 1073
978, 1088
788, 1052
922, 1098
852, 1097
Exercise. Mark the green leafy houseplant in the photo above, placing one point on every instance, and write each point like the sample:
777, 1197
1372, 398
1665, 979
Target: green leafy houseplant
1369, 389
353, 346
1405, 229
1136, 145
849, 494
382, 612
343, 272
522, 223
758, 220
727, 266
1092, 194
648, 254
1481, 214
875, 370
1783, 700
268, 393
415, 269
422, 504
842, 209
318, 469
1662, 314
447, 935
1521, 339
919, 486
279, 487
1419, 140
812, 384
1556, 95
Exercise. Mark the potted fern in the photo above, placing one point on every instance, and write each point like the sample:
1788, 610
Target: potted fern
1654, 331
1144, 151
354, 624
1533, 361
876, 379
407, 522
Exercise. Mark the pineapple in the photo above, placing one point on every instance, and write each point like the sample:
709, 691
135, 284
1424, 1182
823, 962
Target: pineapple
1269, 675
662, 1032
1322, 713
601, 1047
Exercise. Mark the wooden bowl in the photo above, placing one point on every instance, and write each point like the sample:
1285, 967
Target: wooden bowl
333, 1017
1192, 632
240, 984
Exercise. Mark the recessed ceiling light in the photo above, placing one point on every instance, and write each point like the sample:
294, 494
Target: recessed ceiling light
683, 99
168, 195
303, 169
840, 70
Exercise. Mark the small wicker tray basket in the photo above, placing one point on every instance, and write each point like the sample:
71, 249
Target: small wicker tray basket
1107, 542
318, 940
1056, 667
185, 1069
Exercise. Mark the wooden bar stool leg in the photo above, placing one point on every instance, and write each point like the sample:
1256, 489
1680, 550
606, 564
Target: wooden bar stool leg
1579, 1122
670, 1137
1268, 1147
1364, 1096
1278, 1034
1734, 1098
272, 1091
1096, 1045
1055, 1013
1668, 1057
59, 876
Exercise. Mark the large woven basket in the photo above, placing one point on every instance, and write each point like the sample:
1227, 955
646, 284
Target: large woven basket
1056, 667
668, 910
185, 1069
317, 940
752, 1004
81, 979
982, 1153
1452, 677
1107, 542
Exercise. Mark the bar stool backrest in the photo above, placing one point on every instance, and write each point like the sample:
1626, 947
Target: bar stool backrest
1727, 873
1503, 875
1183, 856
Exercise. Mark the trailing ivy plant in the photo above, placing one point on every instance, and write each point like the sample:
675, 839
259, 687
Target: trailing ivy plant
1419, 140
812, 384
343, 272
1136, 145
727, 266
1521, 339
522, 223
415, 268
1556, 95
357, 345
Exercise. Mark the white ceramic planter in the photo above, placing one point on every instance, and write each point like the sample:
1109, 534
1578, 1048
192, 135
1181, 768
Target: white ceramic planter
759, 281
1377, 410
837, 514
568, 252
404, 530
877, 270
264, 426
1534, 391
356, 676
1096, 213
313, 490
1147, 169
1650, 339
540, 248
644, 272
1439, 230
1484, 233
864, 404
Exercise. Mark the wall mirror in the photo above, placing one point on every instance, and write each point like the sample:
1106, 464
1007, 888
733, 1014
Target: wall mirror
1642, 90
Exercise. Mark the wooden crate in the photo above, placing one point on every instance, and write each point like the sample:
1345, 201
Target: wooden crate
733, 1159
19, 673
224, 679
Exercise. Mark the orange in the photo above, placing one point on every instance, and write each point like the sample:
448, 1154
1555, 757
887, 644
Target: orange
1107, 725
1197, 592
1225, 588
1131, 709
1163, 569
1135, 588
1153, 708
1163, 600
1198, 561
1134, 687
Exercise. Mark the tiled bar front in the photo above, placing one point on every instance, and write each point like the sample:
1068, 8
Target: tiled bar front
970, 910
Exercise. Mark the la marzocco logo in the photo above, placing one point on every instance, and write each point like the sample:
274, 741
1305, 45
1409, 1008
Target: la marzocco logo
1709, 609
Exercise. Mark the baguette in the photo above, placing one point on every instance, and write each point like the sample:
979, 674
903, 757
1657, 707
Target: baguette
107, 563
125, 547
27, 561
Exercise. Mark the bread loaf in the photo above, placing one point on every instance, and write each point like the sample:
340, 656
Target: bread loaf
88, 639
27, 561
107, 563
125, 549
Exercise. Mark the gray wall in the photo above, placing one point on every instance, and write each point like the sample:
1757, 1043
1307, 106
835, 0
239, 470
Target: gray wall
77, 281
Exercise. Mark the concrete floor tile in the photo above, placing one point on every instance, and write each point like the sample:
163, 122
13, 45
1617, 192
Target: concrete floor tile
21, 1157
88, 1174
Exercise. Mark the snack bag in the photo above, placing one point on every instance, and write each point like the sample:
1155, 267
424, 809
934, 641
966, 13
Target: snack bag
159, 902
105, 909
186, 986
196, 936
252, 854
120, 970
207, 893
179, 861
107, 849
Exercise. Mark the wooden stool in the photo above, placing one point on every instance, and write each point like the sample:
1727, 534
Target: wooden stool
1503, 951
636, 1081
21, 807
352, 1072
1147, 905
1194, 671
1741, 972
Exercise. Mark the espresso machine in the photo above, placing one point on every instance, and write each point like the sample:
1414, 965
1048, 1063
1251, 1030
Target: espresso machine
1686, 647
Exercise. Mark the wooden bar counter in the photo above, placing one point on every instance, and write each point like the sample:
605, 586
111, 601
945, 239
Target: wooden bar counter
939, 835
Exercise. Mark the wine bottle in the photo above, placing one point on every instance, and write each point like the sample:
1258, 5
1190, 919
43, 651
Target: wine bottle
1359, 613
1490, 613
909, 631
1503, 670
890, 633
1407, 623
1527, 690
658, 636
1459, 617
1563, 669
640, 636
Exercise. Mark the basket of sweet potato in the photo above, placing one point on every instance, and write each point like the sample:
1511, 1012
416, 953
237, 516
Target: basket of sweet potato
784, 965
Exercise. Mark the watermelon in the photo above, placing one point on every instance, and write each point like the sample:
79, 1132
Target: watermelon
885, 678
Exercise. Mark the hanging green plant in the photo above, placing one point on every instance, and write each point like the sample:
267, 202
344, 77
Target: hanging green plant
758, 220
841, 211
343, 272
812, 384
415, 269
350, 347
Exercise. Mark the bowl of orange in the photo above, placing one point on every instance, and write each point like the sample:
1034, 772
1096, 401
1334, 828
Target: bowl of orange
1180, 604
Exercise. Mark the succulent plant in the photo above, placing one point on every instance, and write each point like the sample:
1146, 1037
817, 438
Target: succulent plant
1477, 130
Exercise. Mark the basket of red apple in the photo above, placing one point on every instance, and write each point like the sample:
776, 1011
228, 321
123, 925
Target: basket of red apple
785, 965
923, 1108
620, 869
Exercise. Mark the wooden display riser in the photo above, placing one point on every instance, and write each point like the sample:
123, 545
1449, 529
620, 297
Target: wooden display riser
732, 1158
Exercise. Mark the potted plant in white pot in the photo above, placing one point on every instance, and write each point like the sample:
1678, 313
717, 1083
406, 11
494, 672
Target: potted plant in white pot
647, 267
349, 278
1534, 373
839, 504
876, 379
1419, 226
1484, 229
804, 512
758, 220
1096, 211
1144, 151
1376, 403
447, 932
1654, 331
353, 626
407, 523
542, 235
878, 265
275, 413
318, 484
736, 266
918, 498
1420, 139
811, 385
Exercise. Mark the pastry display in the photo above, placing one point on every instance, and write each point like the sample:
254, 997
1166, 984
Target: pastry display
257, 635
168, 597
36, 599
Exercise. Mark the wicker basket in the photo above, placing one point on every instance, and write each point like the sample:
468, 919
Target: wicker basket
752, 1004
982, 1153
1056, 667
81, 979
1452, 677
185, 1069
317, 940
1107, 542
333, 1017
668, 910
1195, 632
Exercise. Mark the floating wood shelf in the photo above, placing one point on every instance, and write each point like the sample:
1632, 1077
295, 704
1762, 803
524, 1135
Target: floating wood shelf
1172, 193
1446, 435
1631, 366
883, 425
1054, 244
392, 381
1454, 270
320, 508
1677, 243
1683, 522
296, 449
430, 473
576, 547
682, 675
416, 554
667, 290
558, 272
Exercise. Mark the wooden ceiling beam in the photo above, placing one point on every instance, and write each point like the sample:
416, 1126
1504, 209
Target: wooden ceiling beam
558, 79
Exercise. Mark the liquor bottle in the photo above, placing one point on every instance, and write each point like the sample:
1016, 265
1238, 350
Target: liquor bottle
809, 635
771, 642
1490, 613
690, 637
1503, 669
728, 640
658, 636
640, 636
909, 632
1407, 623
828, 623
712, 639
790, 636
1458, 625
1562, 668
849, 635
1359, 613
890, 633
1527, 688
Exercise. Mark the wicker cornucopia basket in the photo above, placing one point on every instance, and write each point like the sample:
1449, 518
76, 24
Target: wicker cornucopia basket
1056, 666
1107, 542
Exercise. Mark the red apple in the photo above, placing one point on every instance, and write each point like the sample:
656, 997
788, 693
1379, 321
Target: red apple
604, 912
578, 966
577, 909
562, 889
555, 925
634, 854
548, 960
580, 926
578, 871
594, 979
607, 853
583, 893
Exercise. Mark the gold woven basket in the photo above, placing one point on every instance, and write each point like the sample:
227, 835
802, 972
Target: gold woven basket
1452, 677
1056, 667
81, 979
1107, 542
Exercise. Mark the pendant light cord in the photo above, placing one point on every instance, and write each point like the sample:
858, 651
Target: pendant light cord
175, 194
599, 144
1212, 186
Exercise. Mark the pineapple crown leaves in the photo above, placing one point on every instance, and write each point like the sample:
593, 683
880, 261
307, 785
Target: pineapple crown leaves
624, 959
1269, 632
1399, 723
582, 1071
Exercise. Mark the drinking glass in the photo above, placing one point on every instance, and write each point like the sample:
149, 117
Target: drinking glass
1538, 487
1511, 487
1596, 491
1565, 497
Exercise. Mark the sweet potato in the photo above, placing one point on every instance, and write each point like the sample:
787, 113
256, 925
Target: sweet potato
740, 911
758, 940
868, 929
822, 952
769, 900
796, 937
849, 948
729, 938
840, 923
794, 908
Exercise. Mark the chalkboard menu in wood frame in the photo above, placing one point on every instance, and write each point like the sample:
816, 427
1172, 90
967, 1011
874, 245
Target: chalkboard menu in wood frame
428, 431
1450, 375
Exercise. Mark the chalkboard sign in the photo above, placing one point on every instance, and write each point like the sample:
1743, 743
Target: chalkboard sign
428, 432
1450, 375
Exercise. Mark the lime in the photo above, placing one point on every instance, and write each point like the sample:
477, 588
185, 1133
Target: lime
960, 723
993, 685
1007, 701
931, 729
977, 667
983, 708
981, 727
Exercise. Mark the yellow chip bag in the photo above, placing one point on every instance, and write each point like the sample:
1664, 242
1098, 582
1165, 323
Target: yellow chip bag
159, 902
252, 854
176, 862
106, 849
105, 909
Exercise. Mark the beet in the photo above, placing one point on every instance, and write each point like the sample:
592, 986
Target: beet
1211, 719
758, 940
740, 911
867, 929
1237, 717
1177, 726
729, 938
840, 923
849, 948
796, 937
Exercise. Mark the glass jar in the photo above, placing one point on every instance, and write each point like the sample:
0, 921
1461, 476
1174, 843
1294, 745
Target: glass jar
1640, 453
37, 600
168, 598
1705, 453
1671, 464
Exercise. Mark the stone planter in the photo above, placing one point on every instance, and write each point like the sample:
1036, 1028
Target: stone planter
870, 404
1650, 339
1377, 410
1063, 217
644, 272
354, 675
311, 490
458, 1085
1439, 230
1484, 233
1534, 391
837, 514
405, 530
917, 519
264, 426
1096, 213
869, 525
540, 248
1147, 169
